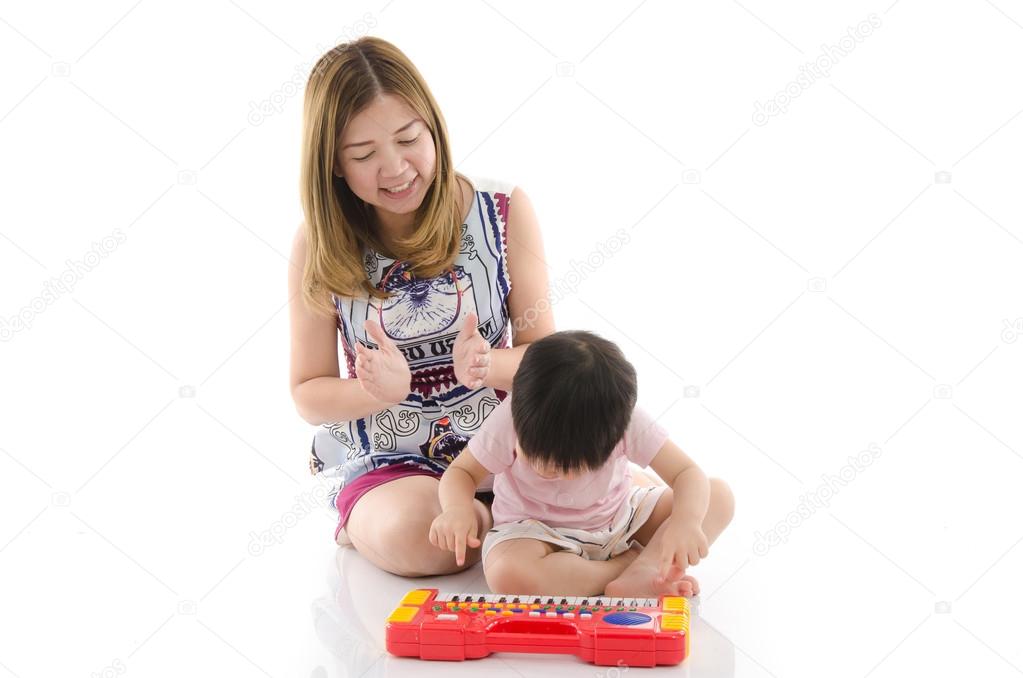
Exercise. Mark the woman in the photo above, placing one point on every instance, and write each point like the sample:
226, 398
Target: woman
436, 284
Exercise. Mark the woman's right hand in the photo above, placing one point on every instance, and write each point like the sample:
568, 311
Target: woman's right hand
383, 372
453, 529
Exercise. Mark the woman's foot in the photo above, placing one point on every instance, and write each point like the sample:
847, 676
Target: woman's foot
642, 578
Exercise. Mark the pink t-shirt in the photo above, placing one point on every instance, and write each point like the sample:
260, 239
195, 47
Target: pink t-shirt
587, 501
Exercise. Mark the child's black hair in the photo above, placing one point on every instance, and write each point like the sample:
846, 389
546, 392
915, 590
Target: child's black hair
572, 399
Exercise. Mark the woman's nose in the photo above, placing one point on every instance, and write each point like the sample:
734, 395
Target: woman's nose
393, 166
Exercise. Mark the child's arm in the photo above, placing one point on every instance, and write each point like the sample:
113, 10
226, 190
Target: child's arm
684, 542
457, 526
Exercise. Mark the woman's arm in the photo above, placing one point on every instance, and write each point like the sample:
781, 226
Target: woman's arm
320, 394
529, 306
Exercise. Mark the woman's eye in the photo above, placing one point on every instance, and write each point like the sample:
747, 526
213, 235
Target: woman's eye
363, 157
410, 141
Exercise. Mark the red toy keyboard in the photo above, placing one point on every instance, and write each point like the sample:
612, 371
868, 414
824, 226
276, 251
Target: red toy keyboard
429, 624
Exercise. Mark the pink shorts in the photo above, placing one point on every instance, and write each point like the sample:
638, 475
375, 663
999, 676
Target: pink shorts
352, 493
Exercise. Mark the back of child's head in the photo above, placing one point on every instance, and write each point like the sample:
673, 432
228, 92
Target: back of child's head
572, 399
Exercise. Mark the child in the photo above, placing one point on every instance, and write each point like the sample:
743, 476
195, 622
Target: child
567, 519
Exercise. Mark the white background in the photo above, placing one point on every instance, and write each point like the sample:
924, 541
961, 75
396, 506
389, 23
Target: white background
818, 282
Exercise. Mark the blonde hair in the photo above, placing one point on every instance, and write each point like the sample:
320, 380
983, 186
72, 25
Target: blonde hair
338, 223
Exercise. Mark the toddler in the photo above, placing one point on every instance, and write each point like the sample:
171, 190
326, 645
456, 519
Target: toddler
567, 517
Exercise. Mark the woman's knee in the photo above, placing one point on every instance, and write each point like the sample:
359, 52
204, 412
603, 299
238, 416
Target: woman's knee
391, 524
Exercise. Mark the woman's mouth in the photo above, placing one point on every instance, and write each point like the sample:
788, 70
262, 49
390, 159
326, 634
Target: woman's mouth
402, 191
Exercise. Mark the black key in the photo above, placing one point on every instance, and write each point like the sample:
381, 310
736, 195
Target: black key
515, 600
503, 600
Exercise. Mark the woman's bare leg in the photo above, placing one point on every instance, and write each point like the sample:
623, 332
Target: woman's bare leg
533, 566
390, 526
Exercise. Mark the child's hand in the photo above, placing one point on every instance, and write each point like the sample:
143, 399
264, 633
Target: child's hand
455, 528
383, 372
471, 354
684, 544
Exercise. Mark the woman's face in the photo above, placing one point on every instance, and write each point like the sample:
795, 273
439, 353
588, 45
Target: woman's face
385, 146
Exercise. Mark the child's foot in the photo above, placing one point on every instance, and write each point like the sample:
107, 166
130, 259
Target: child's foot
641, 578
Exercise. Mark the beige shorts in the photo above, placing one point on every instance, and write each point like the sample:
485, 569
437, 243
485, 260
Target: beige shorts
591, 545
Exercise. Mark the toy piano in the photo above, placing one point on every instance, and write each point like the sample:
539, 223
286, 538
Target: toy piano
430, 624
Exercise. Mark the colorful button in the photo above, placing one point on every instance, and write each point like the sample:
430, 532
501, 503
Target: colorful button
403, 614
447, 617
490, 613
534, 613
674, 604
674, 622
417, 597
569, 615
627, 618
586, 615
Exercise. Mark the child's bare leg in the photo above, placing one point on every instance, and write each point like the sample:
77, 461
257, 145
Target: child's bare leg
533, 566
640, 578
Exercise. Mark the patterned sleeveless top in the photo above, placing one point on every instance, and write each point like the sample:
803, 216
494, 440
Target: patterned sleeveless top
423, 317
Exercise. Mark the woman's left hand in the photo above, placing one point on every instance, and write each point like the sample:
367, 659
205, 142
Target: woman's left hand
471, 354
